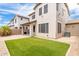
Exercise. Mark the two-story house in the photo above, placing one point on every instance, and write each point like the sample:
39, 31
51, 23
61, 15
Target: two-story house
31, 25
48, 20
15, 24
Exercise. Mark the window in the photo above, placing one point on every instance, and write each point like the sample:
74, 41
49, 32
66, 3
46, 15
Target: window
15, 20
20, 27
45, 8
57, 6
40, 11
43, 28
59, 27
39, 28
33, 16
21, 18
46, 28
26, 28
16, 28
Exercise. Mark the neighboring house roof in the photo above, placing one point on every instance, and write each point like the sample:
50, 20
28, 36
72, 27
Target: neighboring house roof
22, 16
11, 20
18, 16
31, 13
72, 22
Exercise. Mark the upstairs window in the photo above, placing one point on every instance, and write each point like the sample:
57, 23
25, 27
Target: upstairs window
33, 16
59, 27
57, 6
40, 11
21, 18
45, 8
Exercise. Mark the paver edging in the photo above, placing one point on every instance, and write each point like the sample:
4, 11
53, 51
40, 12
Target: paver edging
6, 48
68, 50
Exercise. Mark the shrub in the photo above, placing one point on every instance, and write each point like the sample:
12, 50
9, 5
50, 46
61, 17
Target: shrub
5, 30
1, 32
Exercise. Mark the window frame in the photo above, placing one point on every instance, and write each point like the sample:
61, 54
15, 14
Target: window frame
44, 28
59, 27
33, 16
45, 8
40, 11
21, 18
57, 6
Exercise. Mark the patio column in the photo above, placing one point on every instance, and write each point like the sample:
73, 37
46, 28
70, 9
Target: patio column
30, 30
22, 30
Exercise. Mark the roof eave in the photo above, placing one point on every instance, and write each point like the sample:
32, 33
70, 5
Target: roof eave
67, 8
37, 5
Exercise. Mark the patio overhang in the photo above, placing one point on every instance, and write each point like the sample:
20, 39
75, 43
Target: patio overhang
29, 23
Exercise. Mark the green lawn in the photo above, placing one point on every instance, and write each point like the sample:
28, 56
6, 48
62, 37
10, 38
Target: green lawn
36, 47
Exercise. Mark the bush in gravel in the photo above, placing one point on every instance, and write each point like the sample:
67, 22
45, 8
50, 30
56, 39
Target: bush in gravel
5, 31
1, 32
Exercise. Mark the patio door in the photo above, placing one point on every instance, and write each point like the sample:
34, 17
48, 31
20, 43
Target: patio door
33, 29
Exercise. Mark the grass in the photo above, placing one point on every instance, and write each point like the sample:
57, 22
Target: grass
36, 47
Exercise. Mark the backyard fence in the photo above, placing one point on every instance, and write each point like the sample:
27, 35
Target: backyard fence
16, 31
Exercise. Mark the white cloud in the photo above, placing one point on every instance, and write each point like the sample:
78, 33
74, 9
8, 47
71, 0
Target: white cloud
2, 24
74, 10
6, 22
22, 10
73, 5
3, 12
0, 19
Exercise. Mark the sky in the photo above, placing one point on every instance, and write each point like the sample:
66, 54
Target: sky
74, 11
9, 10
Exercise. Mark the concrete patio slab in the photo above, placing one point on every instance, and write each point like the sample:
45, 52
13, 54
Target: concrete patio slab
74, 45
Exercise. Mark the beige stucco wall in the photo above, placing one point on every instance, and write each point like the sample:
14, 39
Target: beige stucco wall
49, 17
73, 29
31, 29
52, 18
62, 17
